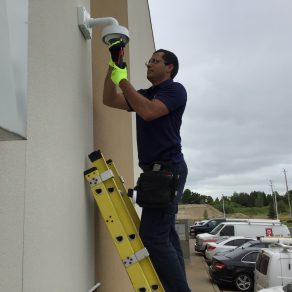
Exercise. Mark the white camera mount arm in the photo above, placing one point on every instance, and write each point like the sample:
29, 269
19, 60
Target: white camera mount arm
111, 32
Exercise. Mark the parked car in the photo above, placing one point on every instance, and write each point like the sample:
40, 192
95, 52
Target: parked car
225, 244
247, 227
274, 265
204, 226
201, 222
236, 268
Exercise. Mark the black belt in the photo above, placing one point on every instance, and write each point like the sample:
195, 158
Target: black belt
158, 166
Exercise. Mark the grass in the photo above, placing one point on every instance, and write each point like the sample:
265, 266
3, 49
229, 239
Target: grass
253, 212
258, 213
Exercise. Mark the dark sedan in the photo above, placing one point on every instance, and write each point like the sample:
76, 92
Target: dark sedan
236, 268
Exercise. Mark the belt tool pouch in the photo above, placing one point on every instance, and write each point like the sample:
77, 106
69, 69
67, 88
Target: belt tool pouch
156, 189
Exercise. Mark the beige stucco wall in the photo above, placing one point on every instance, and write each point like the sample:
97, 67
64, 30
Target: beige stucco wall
141, 48
113, 135
114, 130
46, 213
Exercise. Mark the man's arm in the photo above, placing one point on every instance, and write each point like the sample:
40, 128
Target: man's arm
147, 109
111, 97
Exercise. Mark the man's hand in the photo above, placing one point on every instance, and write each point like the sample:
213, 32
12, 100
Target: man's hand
117, 52
118, 74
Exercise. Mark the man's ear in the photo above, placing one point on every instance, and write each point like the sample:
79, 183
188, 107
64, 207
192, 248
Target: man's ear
169, 68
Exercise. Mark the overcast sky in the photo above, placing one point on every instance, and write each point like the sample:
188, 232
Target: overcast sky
236, 64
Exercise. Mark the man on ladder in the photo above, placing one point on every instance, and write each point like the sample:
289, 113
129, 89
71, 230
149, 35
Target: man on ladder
159, 111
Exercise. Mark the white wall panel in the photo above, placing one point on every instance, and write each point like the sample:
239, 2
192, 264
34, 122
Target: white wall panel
13, 69
46, 212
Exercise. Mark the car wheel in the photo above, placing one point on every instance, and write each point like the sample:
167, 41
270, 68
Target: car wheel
204, 252
243, 282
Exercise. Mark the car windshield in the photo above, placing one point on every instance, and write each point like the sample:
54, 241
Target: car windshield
239, 252
203, 222
200, 223
246, 244
221, 239
234, 253
216, 229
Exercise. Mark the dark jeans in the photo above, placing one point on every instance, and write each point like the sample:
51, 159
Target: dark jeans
157, 231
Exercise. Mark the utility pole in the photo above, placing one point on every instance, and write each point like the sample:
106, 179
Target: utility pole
275, 198
223, 207
288, 195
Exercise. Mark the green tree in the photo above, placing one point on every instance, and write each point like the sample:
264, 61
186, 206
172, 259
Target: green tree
282, 206
189, 197
242, 199
272, 212
252, 198
203, 199
269, 200
259, 199
186, 197
196, 198
289, 193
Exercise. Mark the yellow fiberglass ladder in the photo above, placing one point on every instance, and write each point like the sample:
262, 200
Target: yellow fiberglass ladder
122, 221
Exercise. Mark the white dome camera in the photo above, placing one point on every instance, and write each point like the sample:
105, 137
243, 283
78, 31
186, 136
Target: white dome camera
112, 30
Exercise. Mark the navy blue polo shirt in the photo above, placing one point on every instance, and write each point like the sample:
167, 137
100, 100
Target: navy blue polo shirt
159, 140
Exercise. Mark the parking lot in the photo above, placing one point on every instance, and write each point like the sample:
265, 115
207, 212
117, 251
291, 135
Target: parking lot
197, 273
198, 270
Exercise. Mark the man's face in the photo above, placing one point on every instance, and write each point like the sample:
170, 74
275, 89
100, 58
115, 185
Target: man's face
157, 70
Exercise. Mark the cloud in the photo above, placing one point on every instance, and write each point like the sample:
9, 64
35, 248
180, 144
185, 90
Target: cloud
236, 64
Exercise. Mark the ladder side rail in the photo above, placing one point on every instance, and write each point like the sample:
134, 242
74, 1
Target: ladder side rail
115, 196
120, 183
117, 232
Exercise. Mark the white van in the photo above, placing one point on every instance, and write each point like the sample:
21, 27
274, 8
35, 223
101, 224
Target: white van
274, 264
249, 228
286, 288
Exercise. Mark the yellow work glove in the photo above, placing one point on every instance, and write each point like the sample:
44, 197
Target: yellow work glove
119, 74
111, 63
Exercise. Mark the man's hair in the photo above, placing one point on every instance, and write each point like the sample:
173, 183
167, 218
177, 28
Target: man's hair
170, 58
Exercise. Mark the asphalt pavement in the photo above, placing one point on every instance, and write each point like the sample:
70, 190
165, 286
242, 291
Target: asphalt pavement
198, 275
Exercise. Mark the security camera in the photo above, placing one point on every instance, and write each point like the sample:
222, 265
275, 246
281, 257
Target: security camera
111, 32
114, 32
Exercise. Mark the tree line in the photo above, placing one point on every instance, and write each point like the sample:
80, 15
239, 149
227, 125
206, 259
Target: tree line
255, 199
